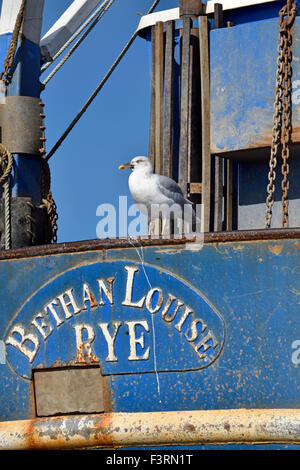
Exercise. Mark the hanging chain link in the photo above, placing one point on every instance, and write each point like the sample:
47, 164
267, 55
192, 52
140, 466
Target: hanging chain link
47, 198
282, 122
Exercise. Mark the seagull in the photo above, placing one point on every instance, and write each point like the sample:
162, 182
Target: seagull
155, 194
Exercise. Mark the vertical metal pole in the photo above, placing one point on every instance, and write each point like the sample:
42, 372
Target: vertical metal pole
24, 81
169, 101
152, 116
228, 189
159, 95
194, 126
219, 169
205, 97
184, 105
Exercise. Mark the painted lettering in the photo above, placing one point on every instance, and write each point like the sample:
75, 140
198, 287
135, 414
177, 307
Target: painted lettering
110, 340
149, 298
28, 343
131, 270
183, 318
107, 291
83, 346
67, 307
192, 334
204, 344
66, 303
165, 314
41, 323
133, 340
53, 312
88, 296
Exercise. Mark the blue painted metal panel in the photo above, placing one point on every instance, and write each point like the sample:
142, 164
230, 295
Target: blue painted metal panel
26, 179
246, 294
243, 68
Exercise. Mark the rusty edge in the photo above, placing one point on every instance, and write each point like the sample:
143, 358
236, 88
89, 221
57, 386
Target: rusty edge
109, 430
121, 243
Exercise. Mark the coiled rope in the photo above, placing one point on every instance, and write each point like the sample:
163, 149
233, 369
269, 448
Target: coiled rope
6, 159
6, 163
8, 61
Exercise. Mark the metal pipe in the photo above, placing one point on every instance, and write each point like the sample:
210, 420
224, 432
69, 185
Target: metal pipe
239, 426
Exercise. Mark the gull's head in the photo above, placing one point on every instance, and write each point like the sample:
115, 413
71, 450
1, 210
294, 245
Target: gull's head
138, 164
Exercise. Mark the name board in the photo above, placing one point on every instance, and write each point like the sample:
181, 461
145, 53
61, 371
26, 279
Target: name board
129, 318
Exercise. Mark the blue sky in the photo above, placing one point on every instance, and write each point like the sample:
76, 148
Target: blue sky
115, 127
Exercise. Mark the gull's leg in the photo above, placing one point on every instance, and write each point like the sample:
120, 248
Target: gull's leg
150, 227
165, 230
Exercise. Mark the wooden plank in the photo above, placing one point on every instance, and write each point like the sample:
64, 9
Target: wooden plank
152, 115
194, 126
191, 8
218, 190
159, 95
195, 188
228, 195
218, 16
205, 109
184, 105
218, 194
169, 101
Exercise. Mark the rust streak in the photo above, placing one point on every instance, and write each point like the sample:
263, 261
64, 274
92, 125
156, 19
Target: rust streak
103, 245
275, 249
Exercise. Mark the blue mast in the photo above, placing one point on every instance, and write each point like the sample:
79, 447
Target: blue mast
22, 122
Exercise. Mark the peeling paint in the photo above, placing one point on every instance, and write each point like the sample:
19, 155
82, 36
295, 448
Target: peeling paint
275, 249
108, 430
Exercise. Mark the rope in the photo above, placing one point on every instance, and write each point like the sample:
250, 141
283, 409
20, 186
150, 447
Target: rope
8, 61
77, 44
95, 93
6, 160
72, 38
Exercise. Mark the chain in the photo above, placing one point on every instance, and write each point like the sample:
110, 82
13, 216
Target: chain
276, 131
282, 124
47, 198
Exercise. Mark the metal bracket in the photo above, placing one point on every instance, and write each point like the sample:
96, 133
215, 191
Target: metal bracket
29, 224
20, 122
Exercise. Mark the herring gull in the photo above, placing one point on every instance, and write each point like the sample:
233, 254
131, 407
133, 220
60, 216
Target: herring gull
154, 193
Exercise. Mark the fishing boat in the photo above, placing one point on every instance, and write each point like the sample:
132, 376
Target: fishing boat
191, 342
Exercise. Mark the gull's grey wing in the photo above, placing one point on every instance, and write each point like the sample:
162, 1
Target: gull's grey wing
170, 189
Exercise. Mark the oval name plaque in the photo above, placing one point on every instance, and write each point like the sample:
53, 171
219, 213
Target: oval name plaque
129, 318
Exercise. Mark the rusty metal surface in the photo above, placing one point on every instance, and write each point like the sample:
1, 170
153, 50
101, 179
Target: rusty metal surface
68, 390
191, 8
148, 358
21, 124
247, 122
161, 428
119, 243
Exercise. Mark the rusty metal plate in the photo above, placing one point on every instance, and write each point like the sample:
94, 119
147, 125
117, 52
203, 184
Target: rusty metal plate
72, 390
21, 123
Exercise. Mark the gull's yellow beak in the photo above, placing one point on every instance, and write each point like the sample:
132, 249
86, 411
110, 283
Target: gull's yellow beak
125, 166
